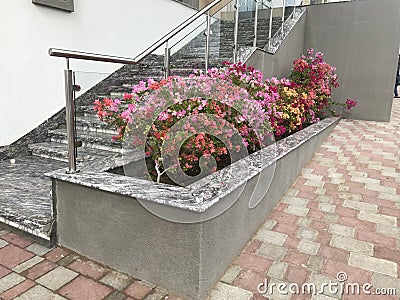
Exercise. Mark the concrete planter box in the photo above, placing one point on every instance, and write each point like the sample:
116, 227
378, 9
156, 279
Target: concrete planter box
100, 215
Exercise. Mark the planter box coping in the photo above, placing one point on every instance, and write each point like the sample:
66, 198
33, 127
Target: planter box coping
201, 195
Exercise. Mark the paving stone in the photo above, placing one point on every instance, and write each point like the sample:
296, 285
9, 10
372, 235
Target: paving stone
269, 224
292, 192
383, 281
273, 292
3, 232
350, 244
138, 290
85, 288
67, 260
3, 243
17, 240
87, 268
231, 274
223, 291
57, 278
297, 210
56, 254
307, 234
295, 201
314, 263
321, 297
4, 271
253, 246
373, 264
334, 253
320, 281
331, 218
117, 280
155, 296
314, 183
278, 270
373, 208
11, 256
341, 230
254, 262
391, 197
39, 292
366, 180
324, 198
381, 188
38, 249
304, 222
10, 281
28, 264
326, 207
272, 237
308, 247
378, 218
272, 251
295, 257
297, 274
375, 238
249, 280
116, 295
388, 230
39, 269
17, 290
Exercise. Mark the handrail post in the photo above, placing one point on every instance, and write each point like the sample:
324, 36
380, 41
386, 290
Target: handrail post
283, 13
236, 32
271, 12
70, 118
207, 52
294, 9
166, 61
255, 24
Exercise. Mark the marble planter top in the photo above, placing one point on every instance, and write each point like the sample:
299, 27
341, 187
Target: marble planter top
25, 201
201, 195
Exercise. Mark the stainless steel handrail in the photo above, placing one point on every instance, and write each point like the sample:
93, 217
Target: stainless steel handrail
175, 31
122, 60
90, 56
70, 84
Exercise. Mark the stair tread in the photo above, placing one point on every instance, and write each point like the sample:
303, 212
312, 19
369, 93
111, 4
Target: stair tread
62, 150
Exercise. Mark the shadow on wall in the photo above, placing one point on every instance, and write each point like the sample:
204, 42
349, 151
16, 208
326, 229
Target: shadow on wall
350, 35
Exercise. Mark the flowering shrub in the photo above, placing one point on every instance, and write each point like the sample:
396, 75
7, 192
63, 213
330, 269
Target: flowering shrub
227, 110
213, 117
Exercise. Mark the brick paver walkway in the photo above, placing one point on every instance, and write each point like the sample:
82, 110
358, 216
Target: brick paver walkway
341, 215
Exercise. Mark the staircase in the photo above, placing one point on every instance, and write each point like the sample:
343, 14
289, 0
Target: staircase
96, 136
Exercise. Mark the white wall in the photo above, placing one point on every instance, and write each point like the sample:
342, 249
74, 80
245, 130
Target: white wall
32, 83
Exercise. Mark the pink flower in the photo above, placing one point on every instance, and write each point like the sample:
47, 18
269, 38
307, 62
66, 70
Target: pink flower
350, 103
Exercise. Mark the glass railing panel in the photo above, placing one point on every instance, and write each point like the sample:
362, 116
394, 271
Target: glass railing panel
95, 139
263, 16
189, 52
246, 26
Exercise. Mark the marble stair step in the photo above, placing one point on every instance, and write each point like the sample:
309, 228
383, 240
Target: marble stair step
58, 151
93, 140
93, 124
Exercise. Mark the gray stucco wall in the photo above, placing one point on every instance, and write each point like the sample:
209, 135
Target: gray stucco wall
280, 63
184, 258
361, 38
